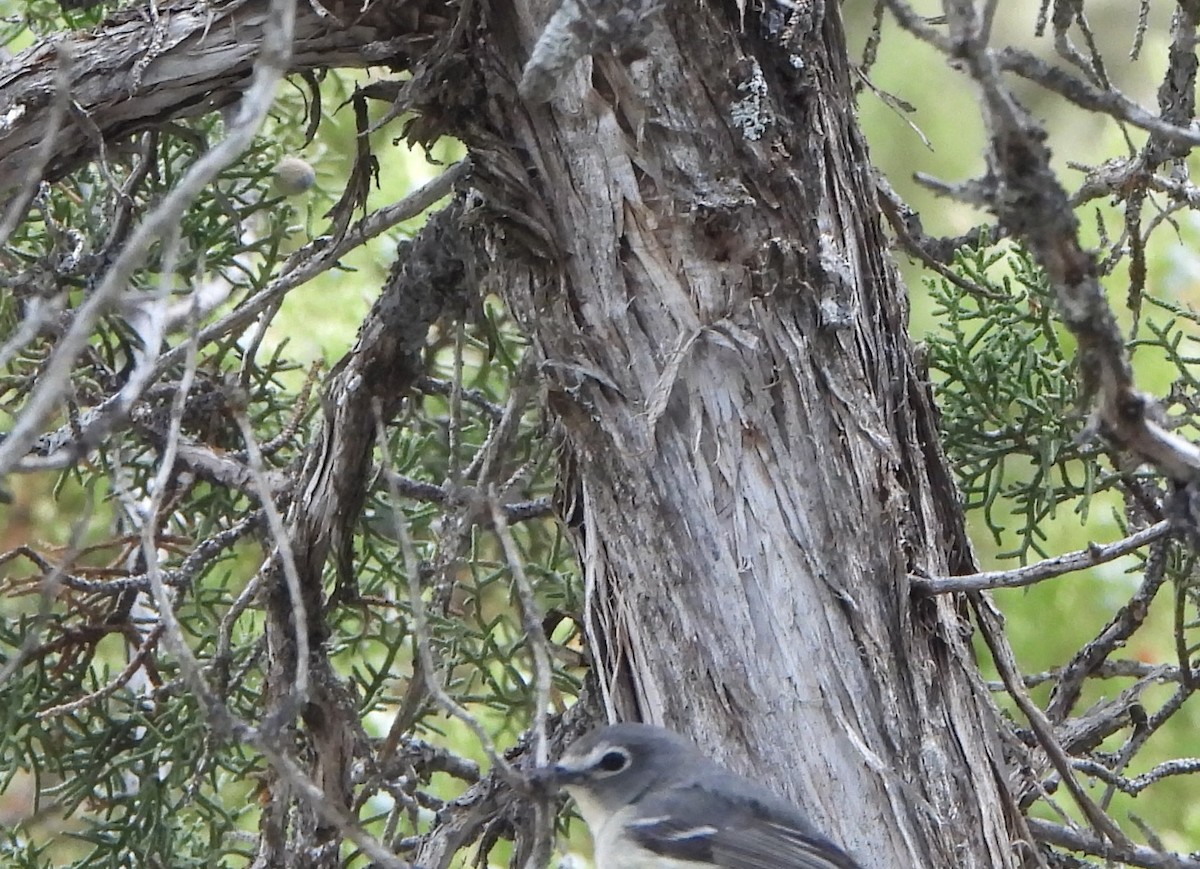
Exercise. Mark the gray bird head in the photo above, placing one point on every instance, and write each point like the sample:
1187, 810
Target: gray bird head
612, 767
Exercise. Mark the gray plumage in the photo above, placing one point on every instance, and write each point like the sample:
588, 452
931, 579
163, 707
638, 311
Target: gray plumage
652, 800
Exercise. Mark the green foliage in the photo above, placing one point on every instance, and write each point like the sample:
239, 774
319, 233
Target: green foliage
21, 21
122, 763
1016, 429
1015, 423
1007, 388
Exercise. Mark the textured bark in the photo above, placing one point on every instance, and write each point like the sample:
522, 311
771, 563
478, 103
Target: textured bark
725, 345
190, 58
366, 390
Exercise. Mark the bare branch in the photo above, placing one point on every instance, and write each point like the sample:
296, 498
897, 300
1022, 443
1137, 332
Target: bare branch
1126, 852
1006, 665
1049, 568
419, 490
425, 654
1109, 101
535, 637
135, 663
1112, 637
1134, 786
202, 57
283, 553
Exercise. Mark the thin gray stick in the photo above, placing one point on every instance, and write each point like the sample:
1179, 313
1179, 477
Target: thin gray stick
539, 646
1048, 569
420, 617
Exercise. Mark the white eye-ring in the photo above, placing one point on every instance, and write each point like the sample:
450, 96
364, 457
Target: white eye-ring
613, 761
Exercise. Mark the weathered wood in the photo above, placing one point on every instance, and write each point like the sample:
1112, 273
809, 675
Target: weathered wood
135, 70
725, 344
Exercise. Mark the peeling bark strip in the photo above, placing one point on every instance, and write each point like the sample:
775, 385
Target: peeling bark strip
368, 388
580, 28
136, 71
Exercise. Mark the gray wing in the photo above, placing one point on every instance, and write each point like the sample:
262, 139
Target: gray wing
702, 823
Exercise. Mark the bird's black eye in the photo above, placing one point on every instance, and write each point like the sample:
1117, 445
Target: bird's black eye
613, 761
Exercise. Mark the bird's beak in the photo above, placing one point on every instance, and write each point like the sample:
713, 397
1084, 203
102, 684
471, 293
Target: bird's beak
554, 776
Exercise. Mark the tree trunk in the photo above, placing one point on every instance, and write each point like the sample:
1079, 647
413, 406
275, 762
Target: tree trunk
723, 337
692, 243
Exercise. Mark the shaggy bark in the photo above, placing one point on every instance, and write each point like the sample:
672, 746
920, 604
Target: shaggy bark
366, 390
723, 338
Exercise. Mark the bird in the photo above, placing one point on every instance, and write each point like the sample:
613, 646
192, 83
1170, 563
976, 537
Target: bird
653, 800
